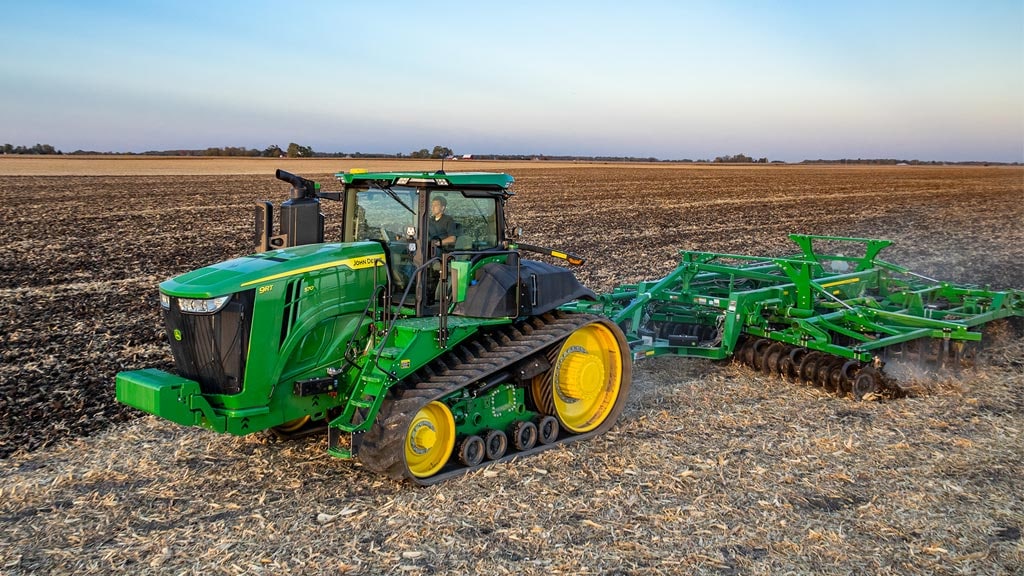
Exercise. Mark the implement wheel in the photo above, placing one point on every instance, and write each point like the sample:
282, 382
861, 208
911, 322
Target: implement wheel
587, 377
430, 440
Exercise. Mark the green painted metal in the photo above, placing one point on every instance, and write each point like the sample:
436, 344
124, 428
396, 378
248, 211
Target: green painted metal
327, 340
407, 345
495, 409
848, 306
317, 318
308, 305
455, 179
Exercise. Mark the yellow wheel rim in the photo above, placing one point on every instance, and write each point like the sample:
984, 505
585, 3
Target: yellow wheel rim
292, 425
587, 377
430, 440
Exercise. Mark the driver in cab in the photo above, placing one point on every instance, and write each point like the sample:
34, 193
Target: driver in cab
442, 227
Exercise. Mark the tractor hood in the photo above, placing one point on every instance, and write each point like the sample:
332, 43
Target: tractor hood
251, 271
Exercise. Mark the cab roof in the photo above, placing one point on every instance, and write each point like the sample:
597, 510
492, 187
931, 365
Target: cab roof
439, 179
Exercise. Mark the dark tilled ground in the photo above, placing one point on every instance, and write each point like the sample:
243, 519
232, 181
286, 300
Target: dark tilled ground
79, 277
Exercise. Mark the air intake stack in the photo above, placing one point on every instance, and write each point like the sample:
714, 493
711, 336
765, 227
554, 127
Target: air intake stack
301, 221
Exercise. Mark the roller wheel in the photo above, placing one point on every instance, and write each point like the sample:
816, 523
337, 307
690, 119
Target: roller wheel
496, 443
471, 451
868, 381
430, 440
808, 367
587, 377
548, 429
524, 435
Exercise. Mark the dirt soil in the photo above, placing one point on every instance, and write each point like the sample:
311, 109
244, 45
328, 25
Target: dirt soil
712, 469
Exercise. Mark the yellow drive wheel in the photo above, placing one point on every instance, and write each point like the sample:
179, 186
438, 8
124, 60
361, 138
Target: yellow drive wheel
587, 377
292, 425
430, 440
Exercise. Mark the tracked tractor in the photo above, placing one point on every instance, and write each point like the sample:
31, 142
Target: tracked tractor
421, 356
427, 350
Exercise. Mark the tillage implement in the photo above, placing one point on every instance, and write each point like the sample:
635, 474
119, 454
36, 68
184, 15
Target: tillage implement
426, 344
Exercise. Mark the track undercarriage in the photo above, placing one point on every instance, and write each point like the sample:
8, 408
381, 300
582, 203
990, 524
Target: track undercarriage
511, 391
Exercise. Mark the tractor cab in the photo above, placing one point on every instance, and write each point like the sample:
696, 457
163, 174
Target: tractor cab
444, 239
429, 224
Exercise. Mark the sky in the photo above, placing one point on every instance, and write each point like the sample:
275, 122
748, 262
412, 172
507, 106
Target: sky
786, 80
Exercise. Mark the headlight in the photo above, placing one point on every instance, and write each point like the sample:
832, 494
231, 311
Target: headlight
202, 305
165, 301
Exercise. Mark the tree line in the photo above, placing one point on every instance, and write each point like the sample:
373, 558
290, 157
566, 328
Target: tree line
37, 149
294, 150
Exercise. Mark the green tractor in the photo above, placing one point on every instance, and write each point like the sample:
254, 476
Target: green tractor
427, 345
423, 342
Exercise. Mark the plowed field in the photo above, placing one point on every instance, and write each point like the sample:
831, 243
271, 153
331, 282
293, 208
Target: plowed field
711, 470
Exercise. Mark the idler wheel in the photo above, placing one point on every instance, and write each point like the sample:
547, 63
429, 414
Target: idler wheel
429, 440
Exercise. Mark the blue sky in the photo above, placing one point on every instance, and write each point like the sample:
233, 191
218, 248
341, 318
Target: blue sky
785, 80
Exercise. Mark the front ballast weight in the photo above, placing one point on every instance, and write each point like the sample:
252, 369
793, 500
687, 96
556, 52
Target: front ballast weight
831, 319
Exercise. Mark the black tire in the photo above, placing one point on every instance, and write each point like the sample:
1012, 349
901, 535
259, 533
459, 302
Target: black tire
496, 443
548, 430
472, 451
524, 435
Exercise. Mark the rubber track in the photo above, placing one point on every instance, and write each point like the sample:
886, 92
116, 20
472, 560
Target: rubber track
382, 448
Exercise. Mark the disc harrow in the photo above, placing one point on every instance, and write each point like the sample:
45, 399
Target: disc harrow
834, 374
831, 319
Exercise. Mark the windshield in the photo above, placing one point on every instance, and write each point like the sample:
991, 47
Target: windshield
475, 226
385, 214
390, 215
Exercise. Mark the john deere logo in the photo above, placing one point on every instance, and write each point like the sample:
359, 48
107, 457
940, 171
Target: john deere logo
177, 335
